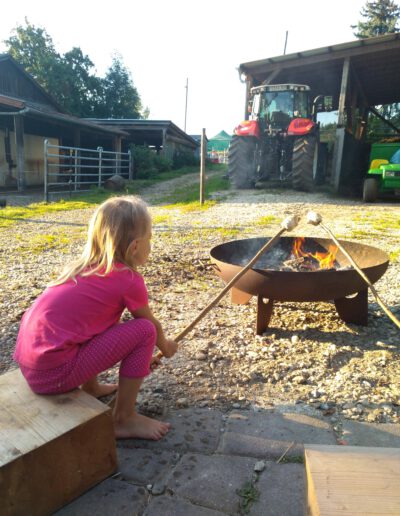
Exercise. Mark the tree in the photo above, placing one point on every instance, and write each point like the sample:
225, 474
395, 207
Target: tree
381, 18
33, 48
121, 97
70, 79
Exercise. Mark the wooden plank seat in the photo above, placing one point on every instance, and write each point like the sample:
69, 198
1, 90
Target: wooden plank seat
352, 480
52, 448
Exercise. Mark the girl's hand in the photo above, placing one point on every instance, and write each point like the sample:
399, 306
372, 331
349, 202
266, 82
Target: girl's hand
169, 348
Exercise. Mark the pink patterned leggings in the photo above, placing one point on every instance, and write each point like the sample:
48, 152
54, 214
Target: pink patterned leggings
131, 343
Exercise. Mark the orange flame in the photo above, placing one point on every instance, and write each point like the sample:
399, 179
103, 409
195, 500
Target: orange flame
325, 260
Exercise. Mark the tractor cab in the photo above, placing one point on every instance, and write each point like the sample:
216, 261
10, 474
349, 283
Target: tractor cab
276, 105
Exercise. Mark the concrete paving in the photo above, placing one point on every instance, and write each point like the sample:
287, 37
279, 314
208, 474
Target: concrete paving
213, 463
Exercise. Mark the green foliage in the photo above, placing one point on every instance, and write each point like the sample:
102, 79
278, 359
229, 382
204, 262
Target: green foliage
148, 163
121, 97
377, 128
183, 159
249, 494
70, 78
380, 16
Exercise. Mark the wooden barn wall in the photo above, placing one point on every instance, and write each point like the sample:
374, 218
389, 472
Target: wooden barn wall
14, 84
34, 159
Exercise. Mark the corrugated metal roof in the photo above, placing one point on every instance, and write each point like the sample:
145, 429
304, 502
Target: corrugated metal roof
375, 65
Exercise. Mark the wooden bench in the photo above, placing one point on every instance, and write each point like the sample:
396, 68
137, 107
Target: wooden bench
52, 448
352, 480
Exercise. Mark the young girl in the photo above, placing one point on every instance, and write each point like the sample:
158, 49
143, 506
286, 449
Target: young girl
72, 331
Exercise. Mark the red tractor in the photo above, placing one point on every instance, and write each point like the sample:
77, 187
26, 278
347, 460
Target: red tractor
280, 140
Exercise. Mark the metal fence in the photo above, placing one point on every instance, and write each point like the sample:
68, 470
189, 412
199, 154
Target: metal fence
73, 169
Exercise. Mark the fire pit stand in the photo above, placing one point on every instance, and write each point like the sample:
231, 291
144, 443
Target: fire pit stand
343, 286
352, 310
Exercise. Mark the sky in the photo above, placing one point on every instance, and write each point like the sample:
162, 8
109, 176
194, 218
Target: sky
167, 43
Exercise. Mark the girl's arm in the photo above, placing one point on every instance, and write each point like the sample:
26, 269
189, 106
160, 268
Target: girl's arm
167, 347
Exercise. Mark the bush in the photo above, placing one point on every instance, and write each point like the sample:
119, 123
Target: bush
147, 163
184, 159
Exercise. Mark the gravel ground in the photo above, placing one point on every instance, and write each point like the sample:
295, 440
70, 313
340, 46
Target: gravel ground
307, 357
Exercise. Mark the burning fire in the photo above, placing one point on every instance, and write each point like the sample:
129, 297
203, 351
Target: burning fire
325, 260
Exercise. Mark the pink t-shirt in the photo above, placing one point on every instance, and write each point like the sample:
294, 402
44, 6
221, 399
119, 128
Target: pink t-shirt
67, 315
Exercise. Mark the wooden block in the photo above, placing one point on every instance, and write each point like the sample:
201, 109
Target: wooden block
52, 448
353, 480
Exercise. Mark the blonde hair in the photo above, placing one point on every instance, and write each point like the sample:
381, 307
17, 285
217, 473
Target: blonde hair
112, 229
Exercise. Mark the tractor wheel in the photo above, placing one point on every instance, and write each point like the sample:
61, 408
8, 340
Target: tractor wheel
304, 164
242, 161
370, 189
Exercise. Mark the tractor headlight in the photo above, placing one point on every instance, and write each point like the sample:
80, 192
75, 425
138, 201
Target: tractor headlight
389, 173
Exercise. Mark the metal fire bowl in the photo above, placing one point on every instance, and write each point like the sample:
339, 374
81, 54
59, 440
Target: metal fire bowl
320, 285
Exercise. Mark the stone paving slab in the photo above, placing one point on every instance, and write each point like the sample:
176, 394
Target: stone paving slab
145, 466
357, 433
110, 498
192, 430
282, 490
268, 434
173, 506
211, 481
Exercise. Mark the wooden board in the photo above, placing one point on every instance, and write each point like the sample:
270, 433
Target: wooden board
352, 480
52, 448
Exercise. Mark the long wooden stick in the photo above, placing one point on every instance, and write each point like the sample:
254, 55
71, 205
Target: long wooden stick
290, 224
363, 275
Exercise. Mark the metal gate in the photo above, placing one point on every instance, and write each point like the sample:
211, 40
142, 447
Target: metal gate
74, 170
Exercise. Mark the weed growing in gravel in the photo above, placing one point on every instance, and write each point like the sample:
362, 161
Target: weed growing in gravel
40, 243
249, 494
296, 459
394, 256
266, 220
378, 221
227, 232
161, 219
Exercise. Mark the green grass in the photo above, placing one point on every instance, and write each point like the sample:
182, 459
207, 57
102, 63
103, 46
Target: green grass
266, 220
40, 243
98, 195
248, 494
295, 459
189, 195
377, 221
394, 256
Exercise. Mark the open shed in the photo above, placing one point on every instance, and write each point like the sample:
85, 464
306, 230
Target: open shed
358, 75
162, 135
28, 116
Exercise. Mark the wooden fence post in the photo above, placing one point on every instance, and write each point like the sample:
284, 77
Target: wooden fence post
202, 165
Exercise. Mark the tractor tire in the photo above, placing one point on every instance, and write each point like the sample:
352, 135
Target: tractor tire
370, 189
242, 162
304, 163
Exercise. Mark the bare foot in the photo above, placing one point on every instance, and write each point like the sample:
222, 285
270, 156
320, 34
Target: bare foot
140, 427
100, 389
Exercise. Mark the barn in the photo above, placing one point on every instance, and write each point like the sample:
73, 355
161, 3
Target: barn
358, 75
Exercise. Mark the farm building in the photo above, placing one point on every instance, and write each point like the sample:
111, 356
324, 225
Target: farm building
29, 116
163, 136
358, 75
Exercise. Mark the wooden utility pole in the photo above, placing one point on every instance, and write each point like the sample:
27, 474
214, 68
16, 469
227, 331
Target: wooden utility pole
202, 165
187, 89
